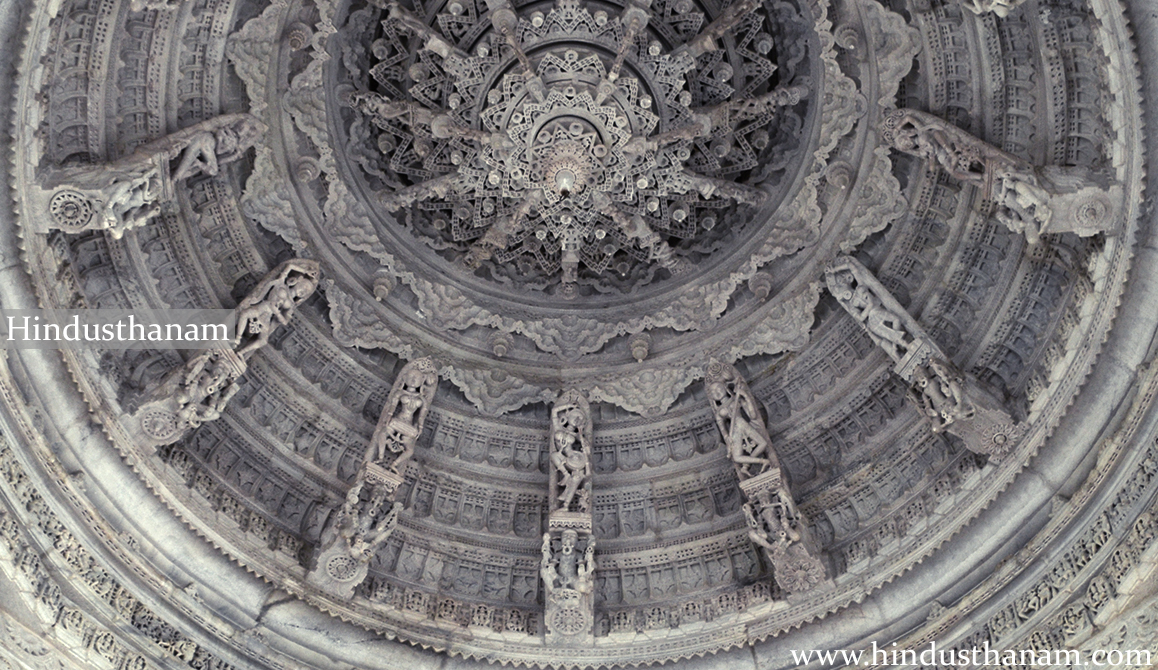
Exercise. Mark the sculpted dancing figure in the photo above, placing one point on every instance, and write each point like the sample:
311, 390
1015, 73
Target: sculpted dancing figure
888, 328
402, 417
274, 299
737, 417
571, 452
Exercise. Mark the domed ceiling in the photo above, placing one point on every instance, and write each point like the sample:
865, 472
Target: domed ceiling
579, 332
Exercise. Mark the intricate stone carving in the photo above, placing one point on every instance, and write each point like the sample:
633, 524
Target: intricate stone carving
198, 392
774, 523
568, 581
355, 533
571, 454
403, 415
740, 421
1028, 200
274, 299
131, 191
1001, 8
680, 576
949, 399
567, 569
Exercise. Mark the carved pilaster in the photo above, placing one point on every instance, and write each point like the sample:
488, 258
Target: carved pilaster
568, 562
774, 522
133, 190
1026, 199
199, 391
951, 400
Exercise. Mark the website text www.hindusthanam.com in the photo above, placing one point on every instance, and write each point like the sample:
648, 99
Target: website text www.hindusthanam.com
975, 656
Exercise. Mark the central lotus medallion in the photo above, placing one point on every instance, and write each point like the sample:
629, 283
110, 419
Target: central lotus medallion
567, 147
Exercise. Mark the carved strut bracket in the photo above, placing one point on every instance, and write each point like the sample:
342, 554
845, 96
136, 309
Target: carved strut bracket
132, 191
1001, 8
568, 563
951, 400
199, 391
774, 522
369, 515
1026, 199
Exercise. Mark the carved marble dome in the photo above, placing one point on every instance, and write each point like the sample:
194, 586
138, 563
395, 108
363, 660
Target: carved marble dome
580, 333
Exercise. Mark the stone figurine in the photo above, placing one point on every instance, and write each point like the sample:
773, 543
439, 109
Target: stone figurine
886, 326
403, 415
940, 393
199, 391
571, 429
1026, 199
740, 421
274, 299
775, 525
566, 571
951, 401
209, 383
569, 587
131, 191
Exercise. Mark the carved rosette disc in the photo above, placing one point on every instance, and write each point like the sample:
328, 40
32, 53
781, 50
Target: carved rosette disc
568, 617
71, 210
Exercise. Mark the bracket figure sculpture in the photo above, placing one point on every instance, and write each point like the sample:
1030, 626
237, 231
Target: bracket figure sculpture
774, 522
567, 580
952, 401
198, 392
356, 531
131, 191
353, 534
402, 417
275, 298
1002, 8
1028, 200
